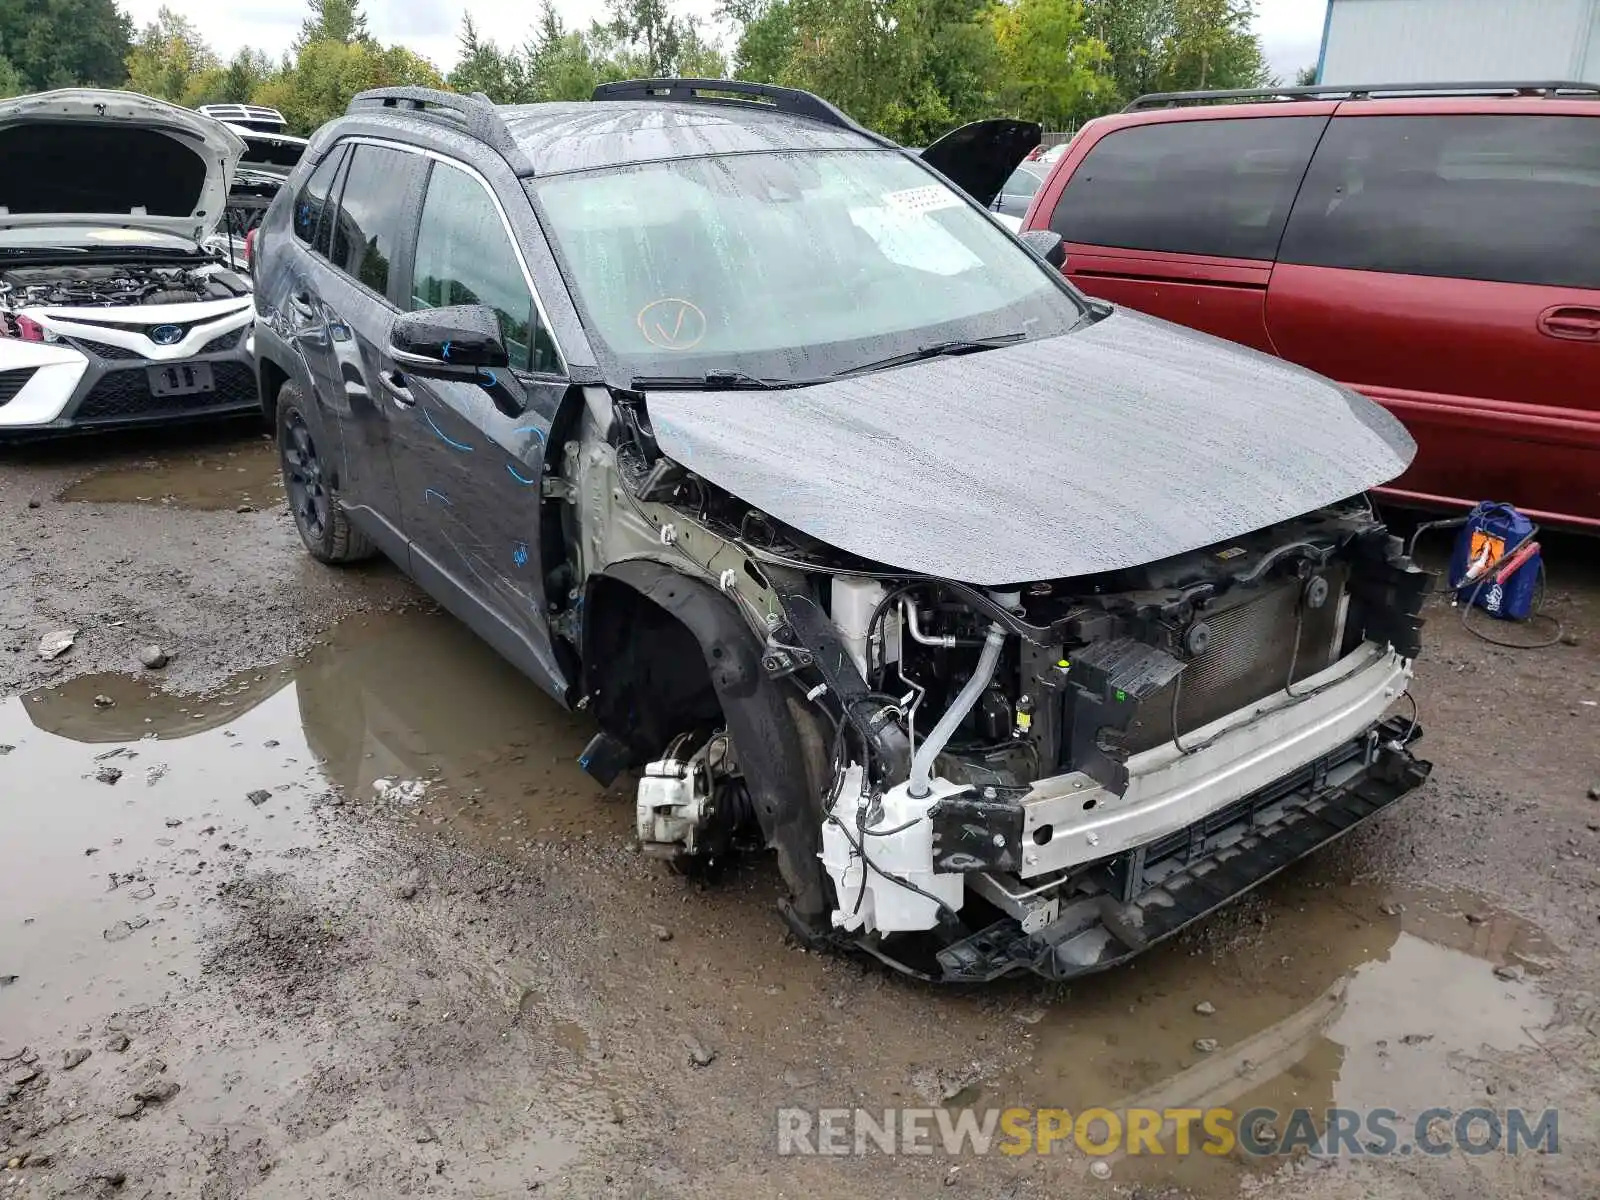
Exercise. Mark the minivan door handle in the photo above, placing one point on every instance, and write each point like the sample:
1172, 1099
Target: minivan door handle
300, 304
1571, 323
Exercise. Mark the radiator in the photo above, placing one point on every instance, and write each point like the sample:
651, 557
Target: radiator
1253, 641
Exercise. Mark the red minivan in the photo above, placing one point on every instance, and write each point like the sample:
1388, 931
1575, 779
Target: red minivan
1436, 249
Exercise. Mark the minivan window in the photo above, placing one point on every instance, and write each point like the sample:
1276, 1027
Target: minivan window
465, 256
1510, 199
312, 202
371, 213
1217, 187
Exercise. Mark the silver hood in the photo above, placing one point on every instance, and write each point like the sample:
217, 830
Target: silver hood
1127, 442
91, 157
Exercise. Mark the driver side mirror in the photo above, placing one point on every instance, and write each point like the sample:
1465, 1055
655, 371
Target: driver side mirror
448, 343
1047, 244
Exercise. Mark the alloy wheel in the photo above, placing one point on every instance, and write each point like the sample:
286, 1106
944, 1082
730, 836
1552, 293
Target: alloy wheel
302, 474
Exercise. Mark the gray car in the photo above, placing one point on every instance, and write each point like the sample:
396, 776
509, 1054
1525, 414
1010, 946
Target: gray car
1022, 630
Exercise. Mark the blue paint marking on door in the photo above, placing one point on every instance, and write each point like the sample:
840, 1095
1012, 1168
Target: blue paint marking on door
443, 436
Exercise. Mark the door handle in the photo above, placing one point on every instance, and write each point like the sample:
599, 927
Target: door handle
395, 384
1571, 323
300, 305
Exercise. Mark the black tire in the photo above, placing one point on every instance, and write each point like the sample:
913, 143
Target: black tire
324, 526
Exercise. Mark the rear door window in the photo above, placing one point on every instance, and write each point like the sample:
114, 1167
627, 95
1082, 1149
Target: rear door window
311, 205
1217, 187
372, 209
465, 255
1510, 199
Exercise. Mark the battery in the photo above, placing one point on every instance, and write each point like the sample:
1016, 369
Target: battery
1492, 534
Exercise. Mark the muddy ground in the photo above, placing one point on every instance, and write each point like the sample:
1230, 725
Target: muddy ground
324, 908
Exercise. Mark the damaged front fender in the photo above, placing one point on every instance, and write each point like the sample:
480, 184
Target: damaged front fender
644, 619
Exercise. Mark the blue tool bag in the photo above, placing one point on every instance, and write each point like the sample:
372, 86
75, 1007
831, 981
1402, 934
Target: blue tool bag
1492, 535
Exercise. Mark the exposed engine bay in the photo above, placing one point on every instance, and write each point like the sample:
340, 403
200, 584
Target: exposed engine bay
1048, 776
116, 285
248, 200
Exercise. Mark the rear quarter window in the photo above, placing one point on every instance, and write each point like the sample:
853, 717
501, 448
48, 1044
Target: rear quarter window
1214, 187
1502, 198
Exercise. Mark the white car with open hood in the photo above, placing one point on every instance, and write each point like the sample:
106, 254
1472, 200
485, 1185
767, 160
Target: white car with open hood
112, 311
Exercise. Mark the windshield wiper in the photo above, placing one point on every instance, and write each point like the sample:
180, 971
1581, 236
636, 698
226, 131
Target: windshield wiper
938, 350
715, 381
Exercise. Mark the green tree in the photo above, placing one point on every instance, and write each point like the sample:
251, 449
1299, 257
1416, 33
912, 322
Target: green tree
698, 58
246, 71
560, 62
1214, 45
484, 67
1134, 33
1177, 45
10, 79
1049, 70
334, 21
170, 60
65, 43
961, 54
1306, 76
325, 75
648, 30
909, 68
856, 54
767, 37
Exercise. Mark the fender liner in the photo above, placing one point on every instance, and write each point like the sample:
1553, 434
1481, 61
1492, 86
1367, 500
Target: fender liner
780, 741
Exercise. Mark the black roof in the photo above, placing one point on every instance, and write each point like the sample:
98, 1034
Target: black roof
556, 138
633, 122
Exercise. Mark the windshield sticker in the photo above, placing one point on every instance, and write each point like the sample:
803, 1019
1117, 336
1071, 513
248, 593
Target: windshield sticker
672, 324
923, 199
913, 239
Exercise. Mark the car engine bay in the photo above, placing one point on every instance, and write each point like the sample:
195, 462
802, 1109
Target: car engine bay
115, 285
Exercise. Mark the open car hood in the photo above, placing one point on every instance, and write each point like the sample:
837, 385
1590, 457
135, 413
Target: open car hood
979, 158
1128, 442
85, 156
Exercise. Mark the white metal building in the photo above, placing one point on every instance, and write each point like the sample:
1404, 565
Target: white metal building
1423, 41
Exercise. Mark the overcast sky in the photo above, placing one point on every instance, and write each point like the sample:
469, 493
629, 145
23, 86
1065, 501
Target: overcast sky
1291, 30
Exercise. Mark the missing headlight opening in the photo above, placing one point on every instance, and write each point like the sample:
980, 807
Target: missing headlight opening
966, 781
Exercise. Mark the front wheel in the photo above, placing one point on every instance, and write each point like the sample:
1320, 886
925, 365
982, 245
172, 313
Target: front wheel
324, 526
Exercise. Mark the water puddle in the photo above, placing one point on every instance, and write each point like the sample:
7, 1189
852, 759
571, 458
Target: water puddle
215, 477
117, 834
128, 793
155, 842
410, 711
1345, 997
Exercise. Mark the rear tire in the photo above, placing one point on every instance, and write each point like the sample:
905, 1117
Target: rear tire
324, 526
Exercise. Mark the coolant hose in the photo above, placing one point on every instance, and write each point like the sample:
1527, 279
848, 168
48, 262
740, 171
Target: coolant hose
918, 784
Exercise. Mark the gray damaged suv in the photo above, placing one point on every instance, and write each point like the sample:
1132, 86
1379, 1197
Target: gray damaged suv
1024, 630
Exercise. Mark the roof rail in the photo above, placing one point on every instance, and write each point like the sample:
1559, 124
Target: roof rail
474, 114
786, 100
255, 117
1550, 89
